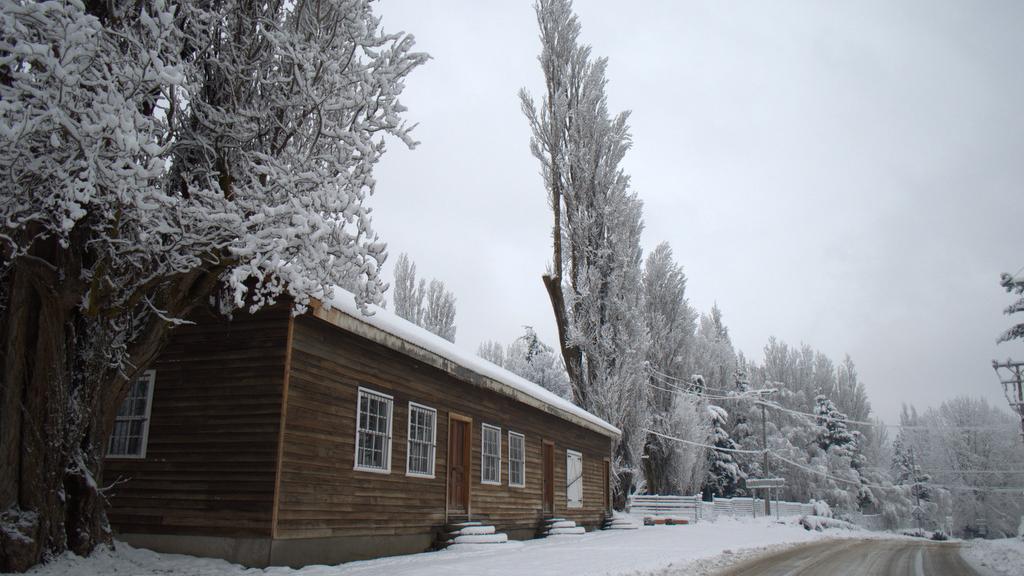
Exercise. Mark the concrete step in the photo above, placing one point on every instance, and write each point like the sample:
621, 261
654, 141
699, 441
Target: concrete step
499, 538
472, 530
575, 530
561, 524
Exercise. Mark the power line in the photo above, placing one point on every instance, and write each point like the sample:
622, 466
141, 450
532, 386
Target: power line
973, 471
752, 395
688, 382
678, 390
993, 489
708, 446
879, 424
1011, 490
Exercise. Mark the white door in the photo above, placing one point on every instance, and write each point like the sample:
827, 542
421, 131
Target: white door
573, 479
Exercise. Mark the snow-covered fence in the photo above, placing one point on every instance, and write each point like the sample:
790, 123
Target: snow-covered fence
723, 507
746, 507
675, 507
743, 507
707, 510
791, 508
691, 507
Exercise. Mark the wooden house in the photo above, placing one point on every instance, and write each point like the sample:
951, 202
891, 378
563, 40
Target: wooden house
274, 439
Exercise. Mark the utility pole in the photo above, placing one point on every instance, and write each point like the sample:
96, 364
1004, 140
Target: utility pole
1011, 376
764, 444
765, 473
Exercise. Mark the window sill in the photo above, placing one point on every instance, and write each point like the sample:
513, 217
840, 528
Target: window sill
491, 482
417, 475
372, 470
125, 457
510, 485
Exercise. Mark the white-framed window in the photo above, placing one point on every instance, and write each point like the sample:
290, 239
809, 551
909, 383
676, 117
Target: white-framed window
490, 455
573, 479
373, 431
131, 429
516, 459
422, 441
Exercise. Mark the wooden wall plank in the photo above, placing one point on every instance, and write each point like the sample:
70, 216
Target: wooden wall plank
211, 459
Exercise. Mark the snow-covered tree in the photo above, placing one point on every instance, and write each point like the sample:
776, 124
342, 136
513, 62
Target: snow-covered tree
714, 356
965, 454
430, 306
439, 313
850, 396
407, 295
671, 323
1013, 285
908, 472
723, 475
596, 265
676, 467
492, 351
532, 359
157, 157
831, 432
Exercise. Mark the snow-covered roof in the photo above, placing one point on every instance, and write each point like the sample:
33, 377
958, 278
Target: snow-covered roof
388, 329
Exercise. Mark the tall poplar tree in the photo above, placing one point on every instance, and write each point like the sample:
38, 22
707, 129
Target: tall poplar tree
596, 259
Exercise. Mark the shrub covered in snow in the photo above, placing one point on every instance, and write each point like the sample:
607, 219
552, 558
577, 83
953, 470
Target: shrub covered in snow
819, 523
821, 508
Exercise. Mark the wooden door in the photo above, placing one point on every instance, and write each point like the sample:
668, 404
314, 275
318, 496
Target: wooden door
458, 466
549, 478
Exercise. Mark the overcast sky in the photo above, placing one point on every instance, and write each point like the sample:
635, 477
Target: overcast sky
845, 174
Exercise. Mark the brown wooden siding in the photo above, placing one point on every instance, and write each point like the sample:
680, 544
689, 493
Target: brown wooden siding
321, 495
211, 458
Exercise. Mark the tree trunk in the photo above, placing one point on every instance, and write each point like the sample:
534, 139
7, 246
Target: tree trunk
570, 354
59, 395
45, 508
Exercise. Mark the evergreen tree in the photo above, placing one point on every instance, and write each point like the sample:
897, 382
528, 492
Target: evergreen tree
858, 463
907, 472
1013, 285
830, 425
723, 473
532, 359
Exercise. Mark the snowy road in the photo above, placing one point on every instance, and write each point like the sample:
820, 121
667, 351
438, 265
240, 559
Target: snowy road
860, 558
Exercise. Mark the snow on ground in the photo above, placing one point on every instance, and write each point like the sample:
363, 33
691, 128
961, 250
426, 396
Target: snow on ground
651, 550
1004, 557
